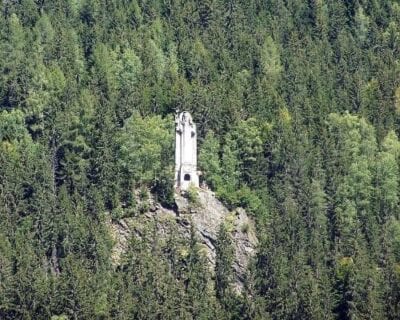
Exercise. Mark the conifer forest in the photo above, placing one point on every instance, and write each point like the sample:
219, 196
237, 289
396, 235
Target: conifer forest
297, 106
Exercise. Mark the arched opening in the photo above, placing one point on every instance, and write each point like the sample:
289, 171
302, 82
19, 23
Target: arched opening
186, 177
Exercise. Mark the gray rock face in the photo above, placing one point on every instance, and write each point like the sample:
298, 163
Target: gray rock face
206, 216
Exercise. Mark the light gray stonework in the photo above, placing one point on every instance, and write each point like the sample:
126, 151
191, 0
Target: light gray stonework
185, 152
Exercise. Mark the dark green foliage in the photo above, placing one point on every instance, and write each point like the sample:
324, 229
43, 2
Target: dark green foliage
223, 265
298, 110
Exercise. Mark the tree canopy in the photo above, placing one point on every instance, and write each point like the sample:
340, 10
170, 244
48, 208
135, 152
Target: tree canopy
297, 105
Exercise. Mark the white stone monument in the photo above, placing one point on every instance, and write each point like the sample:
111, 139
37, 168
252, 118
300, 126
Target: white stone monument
185, 152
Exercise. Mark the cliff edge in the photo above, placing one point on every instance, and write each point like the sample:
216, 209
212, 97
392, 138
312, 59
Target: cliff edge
204, 215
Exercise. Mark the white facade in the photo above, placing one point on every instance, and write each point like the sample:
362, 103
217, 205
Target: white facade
185, 152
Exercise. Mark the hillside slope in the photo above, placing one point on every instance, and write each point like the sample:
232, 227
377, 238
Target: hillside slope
205, 217
297, 107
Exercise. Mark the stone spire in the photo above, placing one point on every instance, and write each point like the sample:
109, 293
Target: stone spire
185, 151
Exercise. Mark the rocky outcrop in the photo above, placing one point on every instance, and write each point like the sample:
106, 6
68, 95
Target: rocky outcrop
204, 214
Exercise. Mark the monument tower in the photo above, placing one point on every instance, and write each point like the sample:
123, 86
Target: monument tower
185, 151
